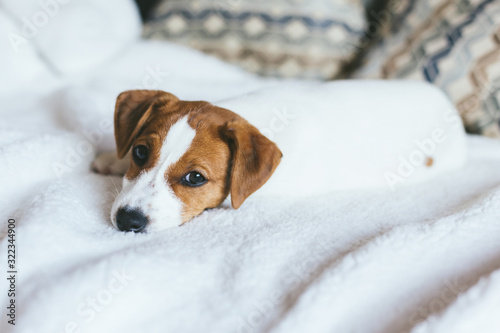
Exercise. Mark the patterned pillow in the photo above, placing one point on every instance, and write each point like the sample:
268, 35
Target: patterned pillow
454, 44
285, 38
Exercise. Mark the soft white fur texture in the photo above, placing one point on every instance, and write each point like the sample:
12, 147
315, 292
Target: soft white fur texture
355, 134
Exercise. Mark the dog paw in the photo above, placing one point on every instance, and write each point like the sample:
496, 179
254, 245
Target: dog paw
109, 164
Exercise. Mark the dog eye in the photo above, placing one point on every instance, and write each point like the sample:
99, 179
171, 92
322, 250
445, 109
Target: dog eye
140, 154
193, 179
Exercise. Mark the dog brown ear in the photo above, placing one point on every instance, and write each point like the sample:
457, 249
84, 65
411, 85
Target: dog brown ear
132, 110
254, 159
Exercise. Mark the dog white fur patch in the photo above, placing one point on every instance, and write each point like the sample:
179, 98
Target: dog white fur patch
149, 191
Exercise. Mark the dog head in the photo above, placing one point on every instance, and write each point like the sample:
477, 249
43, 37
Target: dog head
185, 157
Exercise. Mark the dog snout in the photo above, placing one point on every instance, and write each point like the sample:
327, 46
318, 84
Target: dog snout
130, 219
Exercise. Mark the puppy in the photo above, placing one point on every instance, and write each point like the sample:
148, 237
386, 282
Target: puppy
179, 157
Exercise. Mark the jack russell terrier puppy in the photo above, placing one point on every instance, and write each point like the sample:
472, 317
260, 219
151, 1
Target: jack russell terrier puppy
179, 157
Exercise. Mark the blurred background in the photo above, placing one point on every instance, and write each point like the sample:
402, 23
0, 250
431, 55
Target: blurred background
454, 44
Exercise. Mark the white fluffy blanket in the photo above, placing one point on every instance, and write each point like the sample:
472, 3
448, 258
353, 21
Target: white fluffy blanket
425, 258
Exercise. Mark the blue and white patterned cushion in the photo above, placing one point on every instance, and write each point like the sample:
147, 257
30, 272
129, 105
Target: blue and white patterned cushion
454, 44
286, 38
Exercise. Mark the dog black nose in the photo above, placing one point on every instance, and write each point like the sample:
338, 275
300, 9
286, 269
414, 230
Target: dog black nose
128, 219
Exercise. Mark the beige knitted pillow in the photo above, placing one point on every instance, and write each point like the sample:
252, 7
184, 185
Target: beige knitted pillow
454, 44
284, 38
